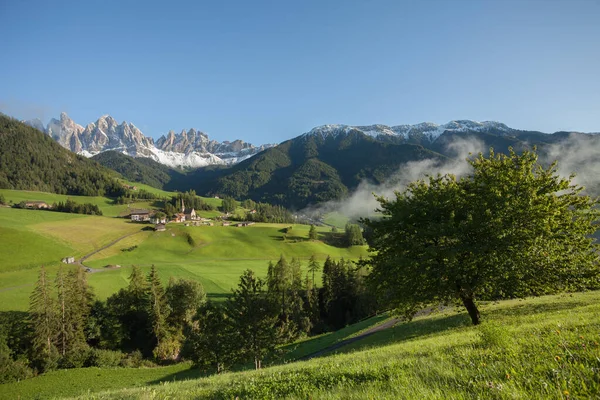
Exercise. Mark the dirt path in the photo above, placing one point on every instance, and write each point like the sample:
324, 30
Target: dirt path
93, 270
362, 335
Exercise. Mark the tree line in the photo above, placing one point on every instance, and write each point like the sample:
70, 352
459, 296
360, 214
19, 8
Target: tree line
69, 206
148, 322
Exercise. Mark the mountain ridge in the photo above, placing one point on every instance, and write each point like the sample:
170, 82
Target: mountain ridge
191, 149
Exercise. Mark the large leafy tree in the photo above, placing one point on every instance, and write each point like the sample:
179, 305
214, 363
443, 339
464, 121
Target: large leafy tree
511, 228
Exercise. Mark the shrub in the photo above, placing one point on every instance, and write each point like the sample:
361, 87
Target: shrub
133, 360
76, 357
105, 358
168, 349
190, 239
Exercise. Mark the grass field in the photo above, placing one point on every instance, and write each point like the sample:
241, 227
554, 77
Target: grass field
216, 256
539, 348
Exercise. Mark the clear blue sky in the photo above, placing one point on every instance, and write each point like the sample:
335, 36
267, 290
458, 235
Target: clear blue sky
268, 71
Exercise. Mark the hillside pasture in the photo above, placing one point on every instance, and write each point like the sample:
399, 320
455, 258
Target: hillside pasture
215, 256
538, 348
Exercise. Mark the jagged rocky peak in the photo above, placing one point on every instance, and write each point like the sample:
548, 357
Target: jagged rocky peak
66, 132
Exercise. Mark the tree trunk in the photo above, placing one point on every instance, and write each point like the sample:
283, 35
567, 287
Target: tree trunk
471, 308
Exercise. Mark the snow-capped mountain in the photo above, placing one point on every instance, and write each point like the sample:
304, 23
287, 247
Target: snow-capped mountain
196, 141
425, 130
191, 149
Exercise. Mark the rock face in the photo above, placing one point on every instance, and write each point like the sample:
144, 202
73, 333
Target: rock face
189, 149
198, 142
66, 132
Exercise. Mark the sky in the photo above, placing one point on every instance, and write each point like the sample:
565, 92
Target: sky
267, 71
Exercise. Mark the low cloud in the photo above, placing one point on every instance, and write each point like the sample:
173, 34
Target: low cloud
577, 153
362, 201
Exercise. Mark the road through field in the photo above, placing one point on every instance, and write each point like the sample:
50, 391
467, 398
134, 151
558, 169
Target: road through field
93, 270
356, 338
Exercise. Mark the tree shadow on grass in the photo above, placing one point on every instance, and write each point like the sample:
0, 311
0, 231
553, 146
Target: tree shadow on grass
404, 331
191, 373
218, 297
537, 308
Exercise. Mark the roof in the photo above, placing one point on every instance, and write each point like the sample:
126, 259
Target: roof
139, 212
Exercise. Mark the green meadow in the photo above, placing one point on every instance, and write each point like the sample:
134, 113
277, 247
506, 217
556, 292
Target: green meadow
216, 256
538, 348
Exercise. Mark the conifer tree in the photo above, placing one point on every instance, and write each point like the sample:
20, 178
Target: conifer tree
157, 310
254, 317
312, 233
313, 266
43, 322
79, 302
63, 331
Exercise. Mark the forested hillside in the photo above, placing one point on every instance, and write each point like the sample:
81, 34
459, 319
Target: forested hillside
30, 160
143, 170
310, 169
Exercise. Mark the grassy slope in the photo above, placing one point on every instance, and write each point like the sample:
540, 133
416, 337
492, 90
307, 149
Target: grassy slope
530, 349
217, 260
30, 238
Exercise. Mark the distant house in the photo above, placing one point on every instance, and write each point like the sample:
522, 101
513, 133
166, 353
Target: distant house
68, 260
158, 220
226, 223
160, 227
140, 215
253, 212
241, 224
36, 204
179, 217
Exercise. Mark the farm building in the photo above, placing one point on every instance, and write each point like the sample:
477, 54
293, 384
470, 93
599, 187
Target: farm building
226, 223
179, 217
241, 224
36, 204
68, 260
140, 215
158, 220
160, 227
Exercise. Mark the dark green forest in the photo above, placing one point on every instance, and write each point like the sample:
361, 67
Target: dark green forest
142, 170
30, 160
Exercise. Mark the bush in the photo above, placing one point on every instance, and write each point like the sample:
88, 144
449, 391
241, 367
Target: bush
190, 239
168, 349
76, 357
136, 359
105, 358
12, 370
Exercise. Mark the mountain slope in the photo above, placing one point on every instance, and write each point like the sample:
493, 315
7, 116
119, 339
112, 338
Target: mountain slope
31, 160
142, 170
330, 161
312, 168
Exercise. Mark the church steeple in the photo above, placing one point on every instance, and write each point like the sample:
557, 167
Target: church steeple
182, 206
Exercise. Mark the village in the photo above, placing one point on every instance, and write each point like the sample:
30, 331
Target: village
187, 216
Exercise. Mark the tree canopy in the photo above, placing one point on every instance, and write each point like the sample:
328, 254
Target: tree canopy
511, 228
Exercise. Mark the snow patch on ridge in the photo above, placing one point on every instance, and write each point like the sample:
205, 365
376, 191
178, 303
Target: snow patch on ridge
428, 130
